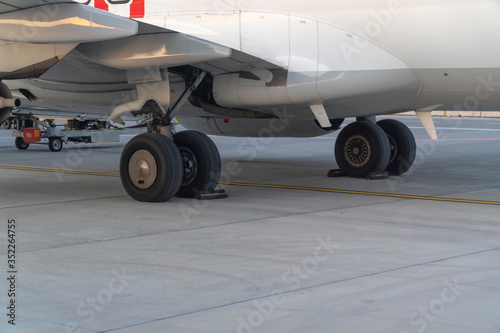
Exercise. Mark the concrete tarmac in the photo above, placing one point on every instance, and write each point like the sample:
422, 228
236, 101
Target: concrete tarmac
294, 251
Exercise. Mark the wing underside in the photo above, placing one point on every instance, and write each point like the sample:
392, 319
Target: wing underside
251, 63
36, 34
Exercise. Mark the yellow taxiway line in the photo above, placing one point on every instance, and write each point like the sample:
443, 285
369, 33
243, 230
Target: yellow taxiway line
388, 195
299, 188
60, 171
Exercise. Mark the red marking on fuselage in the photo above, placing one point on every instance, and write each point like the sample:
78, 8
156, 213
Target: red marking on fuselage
101, 4
137, 7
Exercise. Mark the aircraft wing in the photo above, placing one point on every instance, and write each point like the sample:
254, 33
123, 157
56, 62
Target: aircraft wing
36, 34
59, 21
61, 25
101, 75
7, 6
254, 61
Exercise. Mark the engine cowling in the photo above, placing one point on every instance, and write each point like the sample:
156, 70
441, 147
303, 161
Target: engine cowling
265, 128
7, 103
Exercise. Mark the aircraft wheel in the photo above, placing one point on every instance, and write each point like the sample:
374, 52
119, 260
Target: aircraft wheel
202, 164
403, 146
21, 144
151, 168
7, 124
55, 144
362, 148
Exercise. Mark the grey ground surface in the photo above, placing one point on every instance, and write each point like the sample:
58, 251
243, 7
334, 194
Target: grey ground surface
90, 259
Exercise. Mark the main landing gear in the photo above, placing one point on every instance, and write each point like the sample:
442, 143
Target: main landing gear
155, 168
365, 147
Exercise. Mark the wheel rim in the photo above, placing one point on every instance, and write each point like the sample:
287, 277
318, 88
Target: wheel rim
190, 165
143, 169
357, 151
56, 144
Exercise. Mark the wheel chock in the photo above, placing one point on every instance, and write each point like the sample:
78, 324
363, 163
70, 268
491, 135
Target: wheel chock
334, 173
219, 194
378, 175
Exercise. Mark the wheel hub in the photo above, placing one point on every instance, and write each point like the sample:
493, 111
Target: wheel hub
357, 151
143, 169
57, 144
190, 165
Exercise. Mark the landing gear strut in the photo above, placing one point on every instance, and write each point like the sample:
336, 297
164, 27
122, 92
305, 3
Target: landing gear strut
364, 148
158, 165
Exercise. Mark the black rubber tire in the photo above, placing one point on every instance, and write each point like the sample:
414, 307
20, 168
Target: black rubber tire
198, 149
372, 143
20, 144
168, 163
403, 146
56, 144
7, 124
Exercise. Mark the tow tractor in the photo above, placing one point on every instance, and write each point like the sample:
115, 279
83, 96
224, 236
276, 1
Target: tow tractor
33, 130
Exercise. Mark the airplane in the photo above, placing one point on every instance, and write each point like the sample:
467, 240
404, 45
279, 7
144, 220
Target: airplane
250, 68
